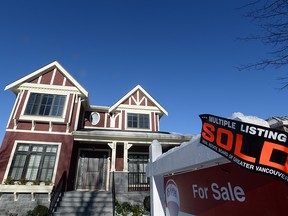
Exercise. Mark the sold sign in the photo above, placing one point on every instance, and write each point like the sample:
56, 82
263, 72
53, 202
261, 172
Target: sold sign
253, 147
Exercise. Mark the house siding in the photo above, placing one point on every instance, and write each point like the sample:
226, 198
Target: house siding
109, 134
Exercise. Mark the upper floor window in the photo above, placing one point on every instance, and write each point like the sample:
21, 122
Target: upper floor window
45, 105
140, 121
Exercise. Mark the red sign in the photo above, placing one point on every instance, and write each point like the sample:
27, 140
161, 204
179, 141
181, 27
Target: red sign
225, 190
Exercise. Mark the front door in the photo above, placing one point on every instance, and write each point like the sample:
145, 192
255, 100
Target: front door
92, 170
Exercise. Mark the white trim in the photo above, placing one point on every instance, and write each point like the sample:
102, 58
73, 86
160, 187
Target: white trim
41, 132
19, 99
138, 112
48, 88
44, 70
64, 81
126, 147
113, 146
71, 107
137, 88
13, 109
33, 189
108, 166
77, 112
39, 79
91, 118
34, 143
43, 118
53, 76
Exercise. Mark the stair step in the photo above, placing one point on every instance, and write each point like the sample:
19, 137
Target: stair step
74, 203
83, 209
83, 214
88, 204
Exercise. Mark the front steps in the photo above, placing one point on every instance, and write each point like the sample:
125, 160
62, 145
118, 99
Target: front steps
78, 203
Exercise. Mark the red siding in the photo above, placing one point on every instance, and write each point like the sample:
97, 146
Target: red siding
24, 125
123, 120
126, 101
58, 79
46, 78
59, 127
40, 126
34, 80
119, 158
149, 103
65, 155
68, 83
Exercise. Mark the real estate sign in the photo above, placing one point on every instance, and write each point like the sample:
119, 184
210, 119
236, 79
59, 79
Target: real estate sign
253, 147
225, 189
254, 182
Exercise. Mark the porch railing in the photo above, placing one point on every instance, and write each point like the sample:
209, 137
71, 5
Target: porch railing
57, 191
138, 181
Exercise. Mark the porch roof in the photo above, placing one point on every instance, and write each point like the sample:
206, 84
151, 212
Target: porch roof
130, 136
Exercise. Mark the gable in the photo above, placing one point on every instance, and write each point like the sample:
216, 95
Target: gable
140, 98
52, 74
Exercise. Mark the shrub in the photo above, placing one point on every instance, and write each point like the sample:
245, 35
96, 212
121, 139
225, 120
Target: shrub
118, 207
22, 181
123, 209
9, 181
146, 203
126, 208
48, 182
36, 182
39, 210
137, 210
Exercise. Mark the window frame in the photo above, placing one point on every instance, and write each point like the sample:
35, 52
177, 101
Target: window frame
138, 115
28, 153
42, 118
142, 178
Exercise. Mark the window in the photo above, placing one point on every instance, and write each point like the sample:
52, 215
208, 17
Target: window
137, 179
135, 120
45, 105
33, 162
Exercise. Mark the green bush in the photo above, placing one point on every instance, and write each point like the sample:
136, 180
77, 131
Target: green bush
126, 208
39, 210
118, 207
137, 210
146, 203
123, 209
36, 182
22, 181
9, 181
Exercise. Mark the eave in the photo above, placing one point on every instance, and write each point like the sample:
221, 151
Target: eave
129, 136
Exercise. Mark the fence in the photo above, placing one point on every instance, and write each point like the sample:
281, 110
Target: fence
138, 181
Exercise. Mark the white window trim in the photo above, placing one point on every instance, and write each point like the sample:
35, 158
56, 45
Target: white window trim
138, 112
36, 143
44, 118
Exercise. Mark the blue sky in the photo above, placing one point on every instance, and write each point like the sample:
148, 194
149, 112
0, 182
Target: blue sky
184, 53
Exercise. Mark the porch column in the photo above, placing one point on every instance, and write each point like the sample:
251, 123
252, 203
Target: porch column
113, 155
125, 155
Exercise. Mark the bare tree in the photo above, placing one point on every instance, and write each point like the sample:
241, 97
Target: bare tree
271, 16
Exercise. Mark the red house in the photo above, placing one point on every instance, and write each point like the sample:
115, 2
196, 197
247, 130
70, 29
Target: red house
54, 131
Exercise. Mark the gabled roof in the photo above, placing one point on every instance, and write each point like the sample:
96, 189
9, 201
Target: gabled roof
14, 86
130, 93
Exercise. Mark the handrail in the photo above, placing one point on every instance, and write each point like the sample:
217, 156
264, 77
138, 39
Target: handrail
113, 193
56, 192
